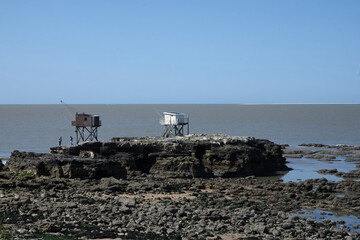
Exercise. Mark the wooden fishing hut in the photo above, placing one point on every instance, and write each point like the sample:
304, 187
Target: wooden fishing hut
86, 127
174, 124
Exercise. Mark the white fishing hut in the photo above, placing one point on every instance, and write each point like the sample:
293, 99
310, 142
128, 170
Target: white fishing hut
174, 123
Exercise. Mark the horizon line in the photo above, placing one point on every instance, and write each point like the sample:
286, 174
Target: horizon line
181, 103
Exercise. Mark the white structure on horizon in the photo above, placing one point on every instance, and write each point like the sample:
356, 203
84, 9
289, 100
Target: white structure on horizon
174, 123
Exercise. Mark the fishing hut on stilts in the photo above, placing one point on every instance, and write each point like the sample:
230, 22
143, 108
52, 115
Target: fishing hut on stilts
174, 124
86, 127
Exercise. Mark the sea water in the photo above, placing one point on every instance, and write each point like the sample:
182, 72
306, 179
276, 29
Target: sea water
38, 127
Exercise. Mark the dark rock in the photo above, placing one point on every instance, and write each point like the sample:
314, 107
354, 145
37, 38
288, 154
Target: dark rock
312, 145
62, 166
287, 225
351, 159
351, 174
297, 152
327, 171
178, 167
108, 149
322, 157
182, 157
293, 156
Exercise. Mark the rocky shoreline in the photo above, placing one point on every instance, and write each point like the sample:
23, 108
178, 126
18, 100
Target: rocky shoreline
57, 200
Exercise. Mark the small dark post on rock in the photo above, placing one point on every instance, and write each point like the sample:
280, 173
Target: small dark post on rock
60, 140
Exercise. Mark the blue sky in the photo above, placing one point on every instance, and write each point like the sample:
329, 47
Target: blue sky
202, 51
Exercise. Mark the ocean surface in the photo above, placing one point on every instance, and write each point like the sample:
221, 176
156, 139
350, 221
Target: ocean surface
38, 127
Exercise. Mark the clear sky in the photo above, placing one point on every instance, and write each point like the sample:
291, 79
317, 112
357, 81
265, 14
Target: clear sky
198, 51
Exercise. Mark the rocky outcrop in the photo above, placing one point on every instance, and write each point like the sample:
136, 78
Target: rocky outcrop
191, 156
